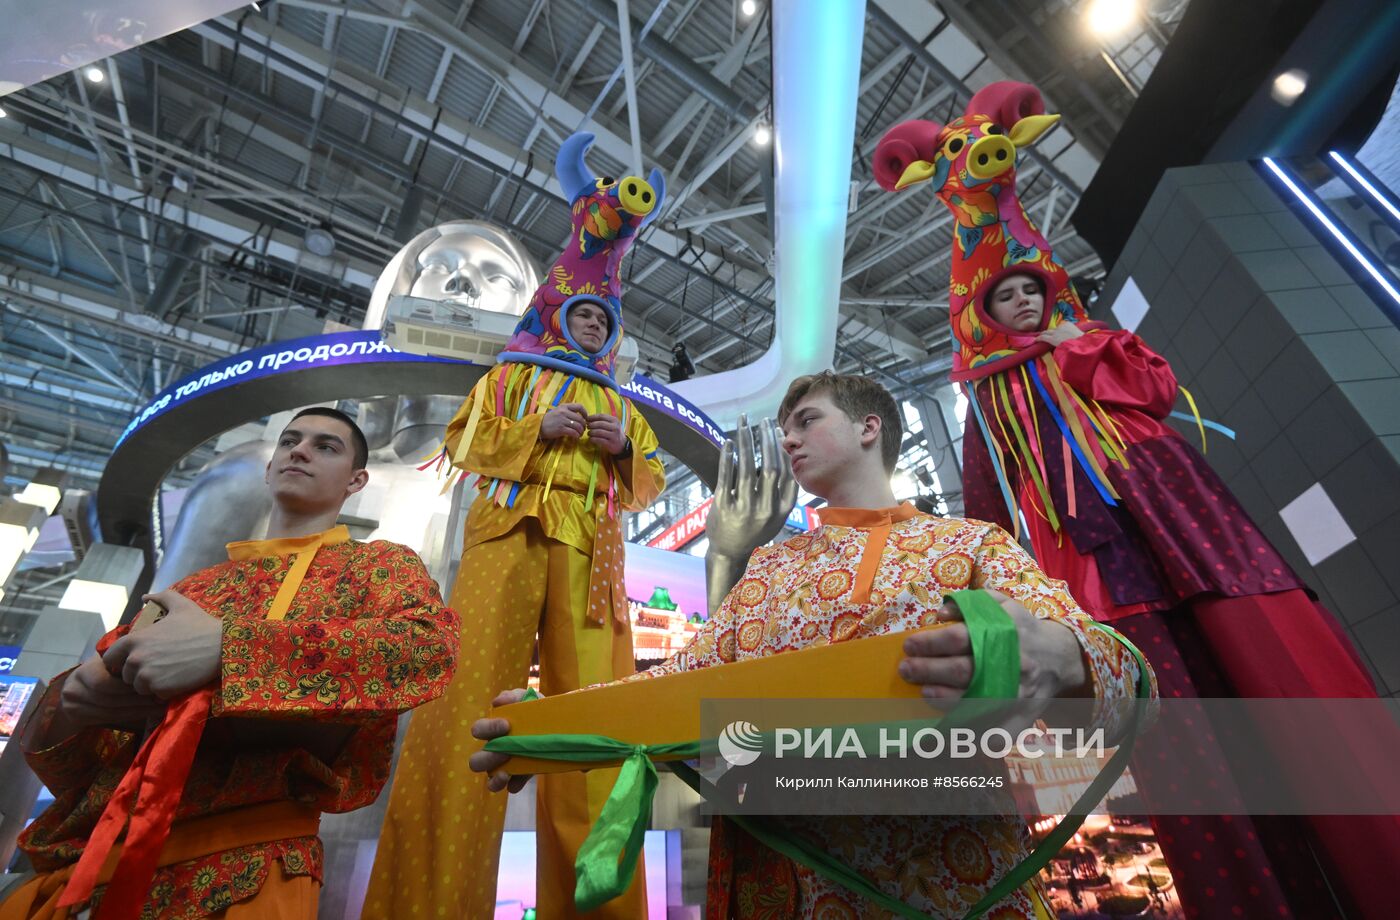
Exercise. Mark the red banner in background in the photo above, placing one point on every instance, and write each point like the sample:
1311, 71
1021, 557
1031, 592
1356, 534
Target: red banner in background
689, 527
692, 525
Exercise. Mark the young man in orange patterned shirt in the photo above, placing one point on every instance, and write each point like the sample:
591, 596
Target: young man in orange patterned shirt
876, 567
302, 650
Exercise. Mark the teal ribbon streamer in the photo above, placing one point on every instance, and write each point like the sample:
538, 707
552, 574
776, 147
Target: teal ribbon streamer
1213, 426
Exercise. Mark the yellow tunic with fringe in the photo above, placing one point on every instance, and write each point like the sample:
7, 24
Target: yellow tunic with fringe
553, 477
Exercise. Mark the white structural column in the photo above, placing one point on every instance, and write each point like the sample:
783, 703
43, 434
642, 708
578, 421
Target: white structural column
624, 28
816, 73
944, 442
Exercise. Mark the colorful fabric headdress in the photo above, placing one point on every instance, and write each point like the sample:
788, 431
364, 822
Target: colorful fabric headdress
607, 215
971, 162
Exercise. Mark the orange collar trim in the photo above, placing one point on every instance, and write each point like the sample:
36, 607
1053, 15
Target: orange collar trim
867, 518
244, 550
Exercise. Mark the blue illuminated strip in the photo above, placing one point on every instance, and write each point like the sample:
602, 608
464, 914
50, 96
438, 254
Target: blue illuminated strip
1341, 235
1366, 184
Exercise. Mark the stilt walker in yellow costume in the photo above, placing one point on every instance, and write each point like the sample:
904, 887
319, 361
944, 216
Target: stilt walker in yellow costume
560, 453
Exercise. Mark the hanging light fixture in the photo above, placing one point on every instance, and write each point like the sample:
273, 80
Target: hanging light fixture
1109, 18
45, 490
19, 528
1289, 85
319, 241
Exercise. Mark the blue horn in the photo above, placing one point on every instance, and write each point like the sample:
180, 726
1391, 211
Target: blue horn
658, 184
574, 177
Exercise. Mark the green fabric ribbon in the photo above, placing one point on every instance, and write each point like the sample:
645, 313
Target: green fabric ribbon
607, 861
608, 858
996, 648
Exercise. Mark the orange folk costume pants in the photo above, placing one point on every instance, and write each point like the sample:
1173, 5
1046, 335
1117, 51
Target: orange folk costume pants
440, 846
282, 897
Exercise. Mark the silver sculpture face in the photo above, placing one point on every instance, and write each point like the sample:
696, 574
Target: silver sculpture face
472, 271
463, 262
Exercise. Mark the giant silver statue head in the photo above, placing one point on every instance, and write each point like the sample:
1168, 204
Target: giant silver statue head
462, 263
466, 262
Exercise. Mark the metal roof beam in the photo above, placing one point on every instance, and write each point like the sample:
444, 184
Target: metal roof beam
54, 295
210, 220
293, 57
724, 70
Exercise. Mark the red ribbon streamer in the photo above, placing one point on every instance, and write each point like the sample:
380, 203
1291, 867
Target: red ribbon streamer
156, 781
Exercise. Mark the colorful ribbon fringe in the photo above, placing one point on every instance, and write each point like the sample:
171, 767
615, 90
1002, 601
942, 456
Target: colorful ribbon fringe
519, 391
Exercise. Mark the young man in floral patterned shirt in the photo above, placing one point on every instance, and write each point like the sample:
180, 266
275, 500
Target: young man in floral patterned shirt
300, 651
875, 567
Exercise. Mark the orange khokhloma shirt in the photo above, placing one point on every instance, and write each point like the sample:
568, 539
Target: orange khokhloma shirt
867, 573
366, 637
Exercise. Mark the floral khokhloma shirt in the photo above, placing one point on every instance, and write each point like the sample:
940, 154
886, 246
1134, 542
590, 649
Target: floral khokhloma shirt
868, 573
367, 636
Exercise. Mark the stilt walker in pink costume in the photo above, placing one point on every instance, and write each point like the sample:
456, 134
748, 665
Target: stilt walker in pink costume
1066, 429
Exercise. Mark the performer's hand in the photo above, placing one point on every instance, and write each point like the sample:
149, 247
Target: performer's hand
93, 697
939, 661
490, 762
1060, 334
174, 656
564, 421
606, 432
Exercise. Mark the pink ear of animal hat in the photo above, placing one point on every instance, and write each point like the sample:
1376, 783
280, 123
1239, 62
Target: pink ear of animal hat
1006, 102
904, 144
906, 153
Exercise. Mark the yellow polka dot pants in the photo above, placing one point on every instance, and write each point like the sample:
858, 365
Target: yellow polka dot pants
440, 846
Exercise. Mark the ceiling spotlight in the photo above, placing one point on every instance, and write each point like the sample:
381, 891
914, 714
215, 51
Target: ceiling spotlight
94, 74
319, 241
1289, 85
3, 113
748, 7
763, 135
1107, 18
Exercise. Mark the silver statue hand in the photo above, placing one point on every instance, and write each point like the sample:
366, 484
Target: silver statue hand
750, 504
